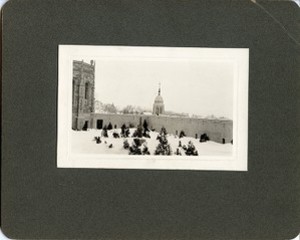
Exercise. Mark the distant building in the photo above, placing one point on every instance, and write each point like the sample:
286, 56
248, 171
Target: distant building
84, 116
158, 106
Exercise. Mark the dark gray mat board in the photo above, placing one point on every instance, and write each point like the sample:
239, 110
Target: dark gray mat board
40, 201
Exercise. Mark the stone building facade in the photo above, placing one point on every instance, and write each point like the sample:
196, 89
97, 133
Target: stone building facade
84, 117
83, 94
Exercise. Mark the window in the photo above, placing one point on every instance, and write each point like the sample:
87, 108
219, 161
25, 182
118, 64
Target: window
86, 90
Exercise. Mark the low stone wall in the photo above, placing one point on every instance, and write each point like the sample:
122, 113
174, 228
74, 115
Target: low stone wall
216, 129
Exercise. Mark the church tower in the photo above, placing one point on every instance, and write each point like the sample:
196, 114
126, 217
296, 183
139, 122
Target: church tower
158, 106
83, 94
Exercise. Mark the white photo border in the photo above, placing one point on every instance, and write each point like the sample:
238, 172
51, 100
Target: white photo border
237, 162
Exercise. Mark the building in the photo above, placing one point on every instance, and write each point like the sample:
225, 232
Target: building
158, 106
83, 94
84, 117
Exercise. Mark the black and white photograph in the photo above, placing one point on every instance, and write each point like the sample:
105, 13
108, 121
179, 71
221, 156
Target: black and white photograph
152, 108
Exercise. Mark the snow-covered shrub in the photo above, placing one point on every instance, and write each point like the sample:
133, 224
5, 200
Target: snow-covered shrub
135, 148
204, 137
138, 132
191, 150
109, 127
125, 131
178, 152
182, 134
98, 139
126, 144
116, 135
145, 150
145, 126
163, 131
163, 148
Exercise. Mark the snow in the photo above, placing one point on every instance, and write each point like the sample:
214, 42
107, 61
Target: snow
83, 142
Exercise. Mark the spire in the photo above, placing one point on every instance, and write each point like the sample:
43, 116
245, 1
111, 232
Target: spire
159, 89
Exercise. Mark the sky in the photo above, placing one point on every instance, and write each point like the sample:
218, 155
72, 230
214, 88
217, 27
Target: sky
195, 87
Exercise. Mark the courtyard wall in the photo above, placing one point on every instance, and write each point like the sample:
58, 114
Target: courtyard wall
216, 129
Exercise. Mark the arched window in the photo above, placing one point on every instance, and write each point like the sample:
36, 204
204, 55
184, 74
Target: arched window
86, 90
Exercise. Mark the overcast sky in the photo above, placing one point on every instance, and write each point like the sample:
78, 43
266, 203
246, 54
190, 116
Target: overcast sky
194, 87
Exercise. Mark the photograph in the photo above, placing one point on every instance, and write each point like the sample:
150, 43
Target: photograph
152, 107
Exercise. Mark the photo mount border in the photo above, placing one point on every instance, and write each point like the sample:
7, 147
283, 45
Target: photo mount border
237, 162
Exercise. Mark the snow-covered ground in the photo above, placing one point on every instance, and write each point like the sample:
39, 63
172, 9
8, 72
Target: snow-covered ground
83, 142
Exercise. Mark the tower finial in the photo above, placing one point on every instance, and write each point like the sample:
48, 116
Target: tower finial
158, 89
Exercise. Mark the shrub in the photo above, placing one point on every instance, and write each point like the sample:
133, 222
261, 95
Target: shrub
109, 127
163, 148
98, 139
204, 137
125, 131
138, 132
145, 150
178, 152
116, 135
182, 134
135, 148
126, 144
191, 150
